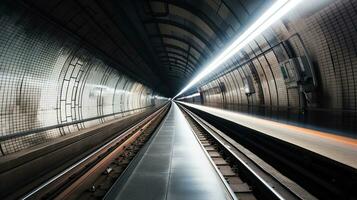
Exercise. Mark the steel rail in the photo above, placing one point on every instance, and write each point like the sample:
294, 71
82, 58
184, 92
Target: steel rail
287, 194
94, 154
228, 188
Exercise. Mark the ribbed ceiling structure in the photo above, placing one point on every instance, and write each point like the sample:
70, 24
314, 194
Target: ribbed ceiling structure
162, 43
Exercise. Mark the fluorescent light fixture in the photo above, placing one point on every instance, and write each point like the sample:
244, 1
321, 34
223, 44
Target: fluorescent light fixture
275, 12
190, 96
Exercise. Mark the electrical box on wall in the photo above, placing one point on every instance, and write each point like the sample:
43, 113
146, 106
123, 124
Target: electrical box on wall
297, 71
248, 86
222, 87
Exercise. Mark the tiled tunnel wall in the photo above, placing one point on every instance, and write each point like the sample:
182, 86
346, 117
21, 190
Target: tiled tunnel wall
48, 78
330, 38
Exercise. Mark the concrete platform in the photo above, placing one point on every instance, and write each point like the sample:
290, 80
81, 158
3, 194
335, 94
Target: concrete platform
336, 147
172, 166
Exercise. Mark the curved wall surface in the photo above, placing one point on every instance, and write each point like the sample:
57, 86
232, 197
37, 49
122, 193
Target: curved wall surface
325, 32
48, 78
327, 35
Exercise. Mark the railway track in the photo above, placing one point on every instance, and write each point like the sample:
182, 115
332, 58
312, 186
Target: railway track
248, 176
92, 176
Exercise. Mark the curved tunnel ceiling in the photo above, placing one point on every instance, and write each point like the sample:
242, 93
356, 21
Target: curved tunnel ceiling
162, 43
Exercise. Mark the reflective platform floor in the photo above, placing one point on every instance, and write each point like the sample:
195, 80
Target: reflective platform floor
173, 165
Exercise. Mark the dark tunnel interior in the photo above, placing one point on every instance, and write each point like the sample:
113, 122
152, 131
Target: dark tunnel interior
69, 66
164, 44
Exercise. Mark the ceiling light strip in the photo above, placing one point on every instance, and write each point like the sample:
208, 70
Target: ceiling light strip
275, 12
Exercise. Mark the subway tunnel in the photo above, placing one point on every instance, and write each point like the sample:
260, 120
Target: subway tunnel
178, 99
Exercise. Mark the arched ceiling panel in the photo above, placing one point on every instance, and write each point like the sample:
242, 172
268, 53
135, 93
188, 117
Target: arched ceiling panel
167, 27
184, 57
147, 37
